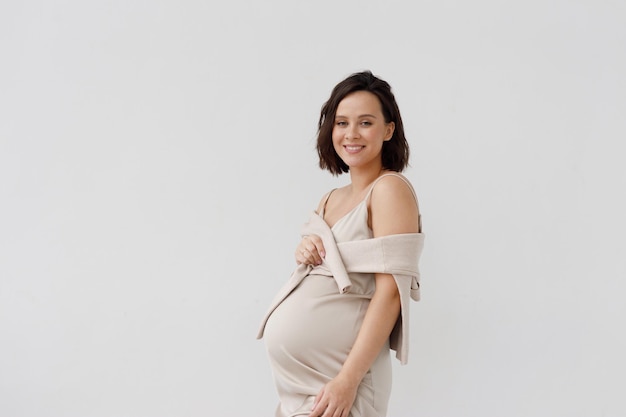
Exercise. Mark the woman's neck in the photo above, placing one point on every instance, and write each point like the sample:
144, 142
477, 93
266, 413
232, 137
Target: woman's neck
361, 179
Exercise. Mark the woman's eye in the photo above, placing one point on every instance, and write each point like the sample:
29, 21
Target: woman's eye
341, 123
366, 123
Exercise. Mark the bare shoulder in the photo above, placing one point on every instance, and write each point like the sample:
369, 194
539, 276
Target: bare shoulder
394, 190
393, 207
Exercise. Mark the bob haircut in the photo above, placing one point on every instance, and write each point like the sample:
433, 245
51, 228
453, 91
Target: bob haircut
395, 152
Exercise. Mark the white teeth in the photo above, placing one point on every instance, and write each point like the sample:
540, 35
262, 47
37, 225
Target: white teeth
353, 148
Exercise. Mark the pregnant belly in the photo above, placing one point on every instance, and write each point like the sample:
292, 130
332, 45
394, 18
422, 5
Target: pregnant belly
315, 321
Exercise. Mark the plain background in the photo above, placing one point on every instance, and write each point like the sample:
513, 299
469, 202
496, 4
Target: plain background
157, 161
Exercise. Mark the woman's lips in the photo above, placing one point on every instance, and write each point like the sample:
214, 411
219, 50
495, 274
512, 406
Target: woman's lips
353, 148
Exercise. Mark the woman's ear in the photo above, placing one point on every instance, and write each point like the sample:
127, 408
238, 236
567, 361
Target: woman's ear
390, 128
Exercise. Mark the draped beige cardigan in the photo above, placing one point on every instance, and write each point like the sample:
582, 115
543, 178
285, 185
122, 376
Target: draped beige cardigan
397, 255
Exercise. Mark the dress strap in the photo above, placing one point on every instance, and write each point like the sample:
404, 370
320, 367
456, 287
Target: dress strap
323, 211
387, 175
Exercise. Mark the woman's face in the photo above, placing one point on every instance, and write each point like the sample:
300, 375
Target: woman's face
360, 130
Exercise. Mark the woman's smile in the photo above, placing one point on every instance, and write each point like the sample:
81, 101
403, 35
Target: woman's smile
352, 149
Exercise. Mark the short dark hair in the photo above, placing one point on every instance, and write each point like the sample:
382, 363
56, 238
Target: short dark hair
395, 152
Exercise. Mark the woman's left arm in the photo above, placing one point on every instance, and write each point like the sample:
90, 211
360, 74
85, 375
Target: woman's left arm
393, 210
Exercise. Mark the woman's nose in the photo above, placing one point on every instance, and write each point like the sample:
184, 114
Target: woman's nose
352, 132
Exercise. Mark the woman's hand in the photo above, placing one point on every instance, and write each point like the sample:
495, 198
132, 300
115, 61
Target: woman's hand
335, 399
310, 251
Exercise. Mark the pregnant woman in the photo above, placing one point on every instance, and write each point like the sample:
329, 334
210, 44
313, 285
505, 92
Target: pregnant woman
330, 329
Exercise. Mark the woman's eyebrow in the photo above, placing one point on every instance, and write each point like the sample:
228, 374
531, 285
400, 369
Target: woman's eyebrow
363, 115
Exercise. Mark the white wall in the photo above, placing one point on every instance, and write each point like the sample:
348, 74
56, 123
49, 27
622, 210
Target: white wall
157, 161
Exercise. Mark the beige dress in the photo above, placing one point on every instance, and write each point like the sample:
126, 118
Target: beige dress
309, 335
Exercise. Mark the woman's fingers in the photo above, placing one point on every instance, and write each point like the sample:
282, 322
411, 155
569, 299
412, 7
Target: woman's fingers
324, 407
310, 251
313, 249
319, 407
317, 243
335, 399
